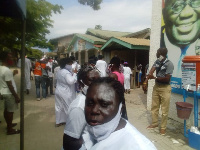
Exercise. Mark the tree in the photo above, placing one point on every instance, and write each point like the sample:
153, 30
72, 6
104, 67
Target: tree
38, 22
34, 53
98, 27
95, 4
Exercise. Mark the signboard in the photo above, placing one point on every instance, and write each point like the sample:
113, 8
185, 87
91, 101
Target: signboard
189, 76
180, 34
81, 45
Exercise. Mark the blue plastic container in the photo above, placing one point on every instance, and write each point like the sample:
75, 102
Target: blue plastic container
194, 140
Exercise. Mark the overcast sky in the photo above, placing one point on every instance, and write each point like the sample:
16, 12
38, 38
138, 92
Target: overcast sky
114, 15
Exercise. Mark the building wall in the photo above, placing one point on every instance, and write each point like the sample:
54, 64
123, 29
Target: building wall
87, 45
65, 41
154, 45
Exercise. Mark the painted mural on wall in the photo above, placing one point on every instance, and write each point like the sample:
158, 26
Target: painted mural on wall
180, 34
81, 44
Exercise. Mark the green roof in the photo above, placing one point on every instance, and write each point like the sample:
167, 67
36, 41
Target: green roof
89, 38
144, 34
131, 43
105, 34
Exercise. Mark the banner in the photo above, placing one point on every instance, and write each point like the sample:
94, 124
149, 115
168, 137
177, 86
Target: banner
180, 32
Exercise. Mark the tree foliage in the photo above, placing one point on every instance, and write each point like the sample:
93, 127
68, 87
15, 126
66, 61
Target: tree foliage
95, 4
98, 27
35, 53
38, 22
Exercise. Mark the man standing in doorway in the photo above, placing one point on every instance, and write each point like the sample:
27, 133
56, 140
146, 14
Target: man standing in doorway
161, 90
8, 91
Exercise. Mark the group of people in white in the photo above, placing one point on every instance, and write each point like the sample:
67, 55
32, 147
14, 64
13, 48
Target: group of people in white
90, 102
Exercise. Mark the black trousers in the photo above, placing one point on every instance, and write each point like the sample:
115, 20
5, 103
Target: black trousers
49, 83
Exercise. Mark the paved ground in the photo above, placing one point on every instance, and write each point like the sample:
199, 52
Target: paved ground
41, 133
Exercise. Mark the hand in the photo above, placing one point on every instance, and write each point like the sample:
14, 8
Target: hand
144, 86
151, 77
15, 72
17, 99
75, 70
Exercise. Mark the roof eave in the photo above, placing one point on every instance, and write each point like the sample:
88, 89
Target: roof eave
125, 44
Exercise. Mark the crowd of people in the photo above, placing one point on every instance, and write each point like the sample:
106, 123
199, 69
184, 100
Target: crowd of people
94, 110
89, 99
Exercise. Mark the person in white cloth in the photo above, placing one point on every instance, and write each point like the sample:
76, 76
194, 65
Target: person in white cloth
75, 124
101, 65
127, 77
65, 90
55, 74
27, 69
108, 131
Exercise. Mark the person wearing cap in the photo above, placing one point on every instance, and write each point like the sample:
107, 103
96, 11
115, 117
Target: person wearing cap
127, 77
181, 30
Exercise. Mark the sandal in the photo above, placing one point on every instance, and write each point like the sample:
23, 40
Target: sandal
14, 124
13, 131
63, 123
58, 125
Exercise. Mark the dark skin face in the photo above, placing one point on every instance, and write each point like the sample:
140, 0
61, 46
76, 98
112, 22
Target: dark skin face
91, 75
102, 104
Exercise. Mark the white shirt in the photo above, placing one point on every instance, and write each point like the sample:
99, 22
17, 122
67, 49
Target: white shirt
6, 75
127, 138
76, 122
28, 65
101, 66
55, 74
127, 72
50, 73
75, 66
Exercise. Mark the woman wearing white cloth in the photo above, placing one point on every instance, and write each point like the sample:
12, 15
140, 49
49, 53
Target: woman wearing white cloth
127, 76
65, 90
74, 132
107, 129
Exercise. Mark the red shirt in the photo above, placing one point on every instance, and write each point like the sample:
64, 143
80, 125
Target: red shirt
38, 70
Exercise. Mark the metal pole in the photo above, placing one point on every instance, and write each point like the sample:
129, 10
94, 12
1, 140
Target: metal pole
22, 85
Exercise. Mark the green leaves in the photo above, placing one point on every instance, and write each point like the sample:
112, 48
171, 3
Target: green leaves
95, 4
38, 22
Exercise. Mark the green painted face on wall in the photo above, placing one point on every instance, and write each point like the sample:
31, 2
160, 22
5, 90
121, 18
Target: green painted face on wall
182, 21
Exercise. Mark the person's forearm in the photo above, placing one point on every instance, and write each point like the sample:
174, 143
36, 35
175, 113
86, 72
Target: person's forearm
70, 143
11, 88
163, 79
151, 71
